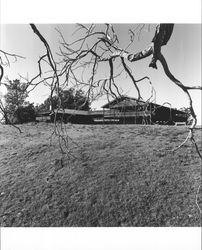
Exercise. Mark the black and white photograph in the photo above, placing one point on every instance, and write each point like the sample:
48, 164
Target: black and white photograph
100, 126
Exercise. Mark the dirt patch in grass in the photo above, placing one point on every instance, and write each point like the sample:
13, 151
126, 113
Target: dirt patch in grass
121, 175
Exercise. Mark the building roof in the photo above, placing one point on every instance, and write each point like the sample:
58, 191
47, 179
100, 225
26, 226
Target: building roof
126, 101
123, 101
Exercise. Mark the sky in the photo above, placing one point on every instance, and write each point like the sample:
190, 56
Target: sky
183, 55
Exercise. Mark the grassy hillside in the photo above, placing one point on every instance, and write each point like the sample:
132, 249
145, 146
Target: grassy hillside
117, 175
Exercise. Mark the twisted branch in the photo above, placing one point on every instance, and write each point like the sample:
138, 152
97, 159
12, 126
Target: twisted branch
186, 90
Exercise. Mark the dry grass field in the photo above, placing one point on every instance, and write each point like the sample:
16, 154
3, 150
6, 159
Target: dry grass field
118, 175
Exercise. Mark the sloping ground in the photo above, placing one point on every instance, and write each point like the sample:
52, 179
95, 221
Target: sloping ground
118, 175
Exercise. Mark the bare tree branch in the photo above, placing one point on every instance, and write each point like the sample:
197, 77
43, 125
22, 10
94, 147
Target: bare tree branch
5, 61
2, 73
131, 76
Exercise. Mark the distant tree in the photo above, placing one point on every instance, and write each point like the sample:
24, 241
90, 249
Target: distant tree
16, 95
17, 110
70, 99
5, 109
45, 106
